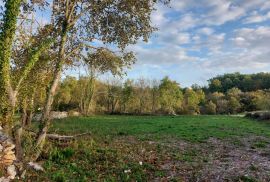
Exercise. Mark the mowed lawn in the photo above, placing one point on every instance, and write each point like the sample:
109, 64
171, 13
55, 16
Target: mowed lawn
158, 148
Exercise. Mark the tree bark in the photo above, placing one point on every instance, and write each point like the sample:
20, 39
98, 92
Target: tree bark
87, 95
45, 120
18, 143
7, 35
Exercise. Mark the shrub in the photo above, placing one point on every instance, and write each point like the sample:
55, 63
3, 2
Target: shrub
209, 108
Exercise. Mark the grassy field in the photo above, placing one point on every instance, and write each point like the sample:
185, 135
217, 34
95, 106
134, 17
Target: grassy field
144, 148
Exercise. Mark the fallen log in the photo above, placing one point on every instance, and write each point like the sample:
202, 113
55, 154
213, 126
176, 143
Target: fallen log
64, 137
58, 137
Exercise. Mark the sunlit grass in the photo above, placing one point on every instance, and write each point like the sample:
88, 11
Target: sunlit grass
191, 128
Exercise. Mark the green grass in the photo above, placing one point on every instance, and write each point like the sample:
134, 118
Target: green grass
190, 128
141, 145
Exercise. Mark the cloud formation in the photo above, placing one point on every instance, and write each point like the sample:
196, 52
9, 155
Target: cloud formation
208, 37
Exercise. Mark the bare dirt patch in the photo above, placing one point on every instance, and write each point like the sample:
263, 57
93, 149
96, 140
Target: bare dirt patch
241, 159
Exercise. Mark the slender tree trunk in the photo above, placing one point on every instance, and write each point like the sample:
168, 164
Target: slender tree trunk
6, 40
90, 93
18, 143
45, 120
29, 118
7, 34
24, 116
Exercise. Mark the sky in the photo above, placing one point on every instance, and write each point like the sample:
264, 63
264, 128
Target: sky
199, 39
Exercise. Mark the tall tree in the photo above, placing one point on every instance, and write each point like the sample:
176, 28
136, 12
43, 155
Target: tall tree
83, 22
171, 96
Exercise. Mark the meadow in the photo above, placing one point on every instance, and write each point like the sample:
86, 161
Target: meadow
158, 148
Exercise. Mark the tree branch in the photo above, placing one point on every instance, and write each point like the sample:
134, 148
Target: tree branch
33, 60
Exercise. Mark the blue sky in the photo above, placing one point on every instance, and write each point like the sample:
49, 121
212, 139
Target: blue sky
199, 39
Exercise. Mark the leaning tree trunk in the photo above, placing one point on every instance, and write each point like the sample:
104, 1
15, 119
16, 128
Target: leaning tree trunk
45, 120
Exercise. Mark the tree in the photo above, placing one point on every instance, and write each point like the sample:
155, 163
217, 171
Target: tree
13, 73
244, 82
215, 85
99, 62
234, 92
192, 100
81, 23
262, 100
234, 105
65, 94
210, 108
222, 106
113, 95
154, 95
143, 95
216, 96
10, 86
170, 95
233, 96
127, 95
74, 25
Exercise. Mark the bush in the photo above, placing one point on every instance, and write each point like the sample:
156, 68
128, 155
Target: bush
209, 108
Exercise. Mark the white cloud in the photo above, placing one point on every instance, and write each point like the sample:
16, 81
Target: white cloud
162, 56
266, 6
222, 11
213, 42
206, 31
191, 33
250, 51
235, 61
239, 41
250, 4
257, 18
253, 38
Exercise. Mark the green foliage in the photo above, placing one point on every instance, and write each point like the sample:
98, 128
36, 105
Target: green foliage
260, 144
165, 97
7, 33
215, 85
192, 99
233, 105
234, 92
67, 97
262, 100
210, 108
104, 60
243, 82
127, 94
171, 96
60, 155
247, 179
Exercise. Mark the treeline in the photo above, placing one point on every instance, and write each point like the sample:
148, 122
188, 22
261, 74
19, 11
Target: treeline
142, 96
244, 82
